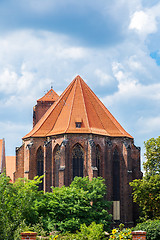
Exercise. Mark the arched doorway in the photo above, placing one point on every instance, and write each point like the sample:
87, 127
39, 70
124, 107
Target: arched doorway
77, 160
40, 165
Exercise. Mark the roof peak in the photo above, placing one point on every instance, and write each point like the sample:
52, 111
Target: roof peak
78, 77
50, 96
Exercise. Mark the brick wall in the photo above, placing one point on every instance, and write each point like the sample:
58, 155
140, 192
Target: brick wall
28, 235
19, 163
138, 235
40, 109
129, 157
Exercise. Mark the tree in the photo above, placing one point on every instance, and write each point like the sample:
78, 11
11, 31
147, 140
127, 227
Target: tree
152, 154
17, 204
146, 193
84, 201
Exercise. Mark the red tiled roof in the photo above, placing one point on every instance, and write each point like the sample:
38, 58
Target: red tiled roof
78, 102
50, 96
10, 166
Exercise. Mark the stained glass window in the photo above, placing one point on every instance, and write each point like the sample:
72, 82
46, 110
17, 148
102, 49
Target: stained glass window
77, 160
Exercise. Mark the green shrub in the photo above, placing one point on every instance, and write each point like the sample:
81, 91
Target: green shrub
92, 232
64, 209
152, 227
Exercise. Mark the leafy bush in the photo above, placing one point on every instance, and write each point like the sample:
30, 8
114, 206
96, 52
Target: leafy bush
152, 227
92, 232
66, 208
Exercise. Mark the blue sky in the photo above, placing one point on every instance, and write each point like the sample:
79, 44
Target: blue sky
113, 45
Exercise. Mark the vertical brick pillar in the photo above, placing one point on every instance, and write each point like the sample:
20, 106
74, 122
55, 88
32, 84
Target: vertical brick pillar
139, 235
29, 235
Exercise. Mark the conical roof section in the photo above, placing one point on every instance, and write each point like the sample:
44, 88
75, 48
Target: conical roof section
78, 104
50, 96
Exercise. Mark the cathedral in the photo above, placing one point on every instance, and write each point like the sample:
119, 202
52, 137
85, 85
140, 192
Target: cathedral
74, 134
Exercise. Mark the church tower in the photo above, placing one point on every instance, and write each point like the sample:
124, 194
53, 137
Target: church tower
43, 104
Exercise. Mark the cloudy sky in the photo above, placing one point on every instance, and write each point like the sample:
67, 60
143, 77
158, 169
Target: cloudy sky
113, 45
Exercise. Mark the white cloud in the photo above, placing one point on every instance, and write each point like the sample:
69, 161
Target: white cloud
31, 60
145, 21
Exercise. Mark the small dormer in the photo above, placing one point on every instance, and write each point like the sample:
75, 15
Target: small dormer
78, 122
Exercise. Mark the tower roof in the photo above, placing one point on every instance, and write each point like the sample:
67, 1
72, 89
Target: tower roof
78, 105
50, 96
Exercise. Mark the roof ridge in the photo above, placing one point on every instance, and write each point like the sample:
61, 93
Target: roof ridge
71, 108
85, 106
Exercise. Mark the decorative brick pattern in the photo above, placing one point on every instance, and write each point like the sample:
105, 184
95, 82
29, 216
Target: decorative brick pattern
28, 235
139, 235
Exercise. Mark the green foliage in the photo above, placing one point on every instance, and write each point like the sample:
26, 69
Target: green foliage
17, 204
66, 208
23, 207
146, 193
151, 227
152, 154
92, 232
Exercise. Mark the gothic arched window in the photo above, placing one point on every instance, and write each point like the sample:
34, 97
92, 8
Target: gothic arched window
116, 176
98, 160
77, 160
56, 165
40, 165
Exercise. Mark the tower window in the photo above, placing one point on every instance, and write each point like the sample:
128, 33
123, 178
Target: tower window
78, 124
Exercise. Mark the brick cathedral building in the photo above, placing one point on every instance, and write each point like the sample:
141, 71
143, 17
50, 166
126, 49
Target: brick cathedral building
76, 135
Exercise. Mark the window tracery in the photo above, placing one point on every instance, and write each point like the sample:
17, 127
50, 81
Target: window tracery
77, 160
40, 165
